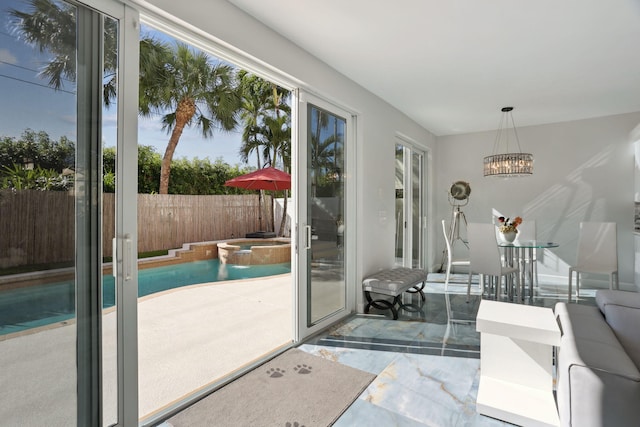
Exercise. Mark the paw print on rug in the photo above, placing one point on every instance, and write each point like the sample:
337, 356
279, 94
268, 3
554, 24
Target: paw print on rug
295, 424
275, 373
303, 369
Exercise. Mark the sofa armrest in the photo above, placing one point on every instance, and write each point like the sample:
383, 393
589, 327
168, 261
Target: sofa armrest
599, 398
598, 384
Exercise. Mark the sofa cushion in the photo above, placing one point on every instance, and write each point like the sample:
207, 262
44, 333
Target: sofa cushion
584, 322
621, 310
588, 340
394, 281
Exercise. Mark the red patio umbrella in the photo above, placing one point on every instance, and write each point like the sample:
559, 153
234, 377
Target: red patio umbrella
263, 179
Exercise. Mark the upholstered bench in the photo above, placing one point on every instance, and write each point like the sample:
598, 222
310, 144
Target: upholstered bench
393, 282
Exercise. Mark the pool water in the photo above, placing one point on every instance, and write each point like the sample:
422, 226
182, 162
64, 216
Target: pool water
33, 306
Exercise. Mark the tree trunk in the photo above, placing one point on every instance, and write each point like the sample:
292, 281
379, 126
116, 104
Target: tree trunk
272, 222
165, 169
185, 111
283, 222
260, 209
260, 196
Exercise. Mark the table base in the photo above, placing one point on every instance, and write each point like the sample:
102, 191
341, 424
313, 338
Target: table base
516, 404
516, 363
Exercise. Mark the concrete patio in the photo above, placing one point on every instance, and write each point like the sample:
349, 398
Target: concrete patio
188, 338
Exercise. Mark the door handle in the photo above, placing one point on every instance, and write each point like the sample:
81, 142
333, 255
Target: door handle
126, 260
114, 259
307, 229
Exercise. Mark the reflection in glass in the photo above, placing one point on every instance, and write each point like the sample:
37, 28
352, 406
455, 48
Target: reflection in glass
325, 209
109, 153
416, 210
409, 175
37, 206
400, 217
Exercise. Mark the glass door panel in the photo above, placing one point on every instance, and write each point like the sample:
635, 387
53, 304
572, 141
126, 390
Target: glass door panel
417, 215
56, 225
410, 218
38, 323
109, 151
325, 213
325, 289
401, 222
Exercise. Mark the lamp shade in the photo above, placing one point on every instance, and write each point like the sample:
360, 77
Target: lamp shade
507, 164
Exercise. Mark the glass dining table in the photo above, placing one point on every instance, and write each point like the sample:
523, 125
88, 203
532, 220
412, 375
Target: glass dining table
523, 253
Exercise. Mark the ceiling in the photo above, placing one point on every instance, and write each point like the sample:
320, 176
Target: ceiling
451, 65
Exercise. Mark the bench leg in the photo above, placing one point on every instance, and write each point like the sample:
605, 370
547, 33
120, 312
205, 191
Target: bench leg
382, 304
413, 308
418, 289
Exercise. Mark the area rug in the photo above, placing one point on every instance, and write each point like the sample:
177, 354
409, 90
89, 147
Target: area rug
294, 389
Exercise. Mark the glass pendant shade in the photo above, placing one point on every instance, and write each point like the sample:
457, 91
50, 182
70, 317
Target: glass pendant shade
508, 164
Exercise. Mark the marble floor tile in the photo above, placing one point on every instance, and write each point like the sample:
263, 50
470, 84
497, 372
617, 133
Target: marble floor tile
365, 360
411, 389
362, 413
427, 363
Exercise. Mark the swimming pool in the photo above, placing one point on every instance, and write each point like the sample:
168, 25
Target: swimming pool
40, 305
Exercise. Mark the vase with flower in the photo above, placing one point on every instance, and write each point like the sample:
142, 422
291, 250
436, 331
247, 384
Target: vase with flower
509, 229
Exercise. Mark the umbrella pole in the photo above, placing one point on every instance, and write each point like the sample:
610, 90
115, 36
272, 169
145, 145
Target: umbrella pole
273, 214
260, 209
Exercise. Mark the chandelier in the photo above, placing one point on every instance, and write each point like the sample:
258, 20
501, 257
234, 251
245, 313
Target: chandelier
508, 164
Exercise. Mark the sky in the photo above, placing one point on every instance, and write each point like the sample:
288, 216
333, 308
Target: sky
26, 101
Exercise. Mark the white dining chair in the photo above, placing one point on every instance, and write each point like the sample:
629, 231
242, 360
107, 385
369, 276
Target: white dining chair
450, 260
597, 253
485, 258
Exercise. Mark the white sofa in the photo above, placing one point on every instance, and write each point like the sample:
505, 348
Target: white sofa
598, 361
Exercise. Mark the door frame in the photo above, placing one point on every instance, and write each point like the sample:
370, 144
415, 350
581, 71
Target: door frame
411, 148
300, 268
127, 219
125, 256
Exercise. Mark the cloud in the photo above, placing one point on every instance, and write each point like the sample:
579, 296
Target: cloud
6, 56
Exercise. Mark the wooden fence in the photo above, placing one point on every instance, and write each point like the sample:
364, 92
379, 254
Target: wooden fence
37, 227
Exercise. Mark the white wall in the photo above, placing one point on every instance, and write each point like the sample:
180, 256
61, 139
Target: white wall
583, 171
378, 122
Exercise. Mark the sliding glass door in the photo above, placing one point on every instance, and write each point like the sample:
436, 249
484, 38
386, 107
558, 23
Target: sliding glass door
325, 216
60, 314
410, 207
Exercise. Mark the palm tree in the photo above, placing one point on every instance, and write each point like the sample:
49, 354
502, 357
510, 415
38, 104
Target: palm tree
279, 137
252, 90
266, 121
51, 27
184, 87
188, 90
256, 95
